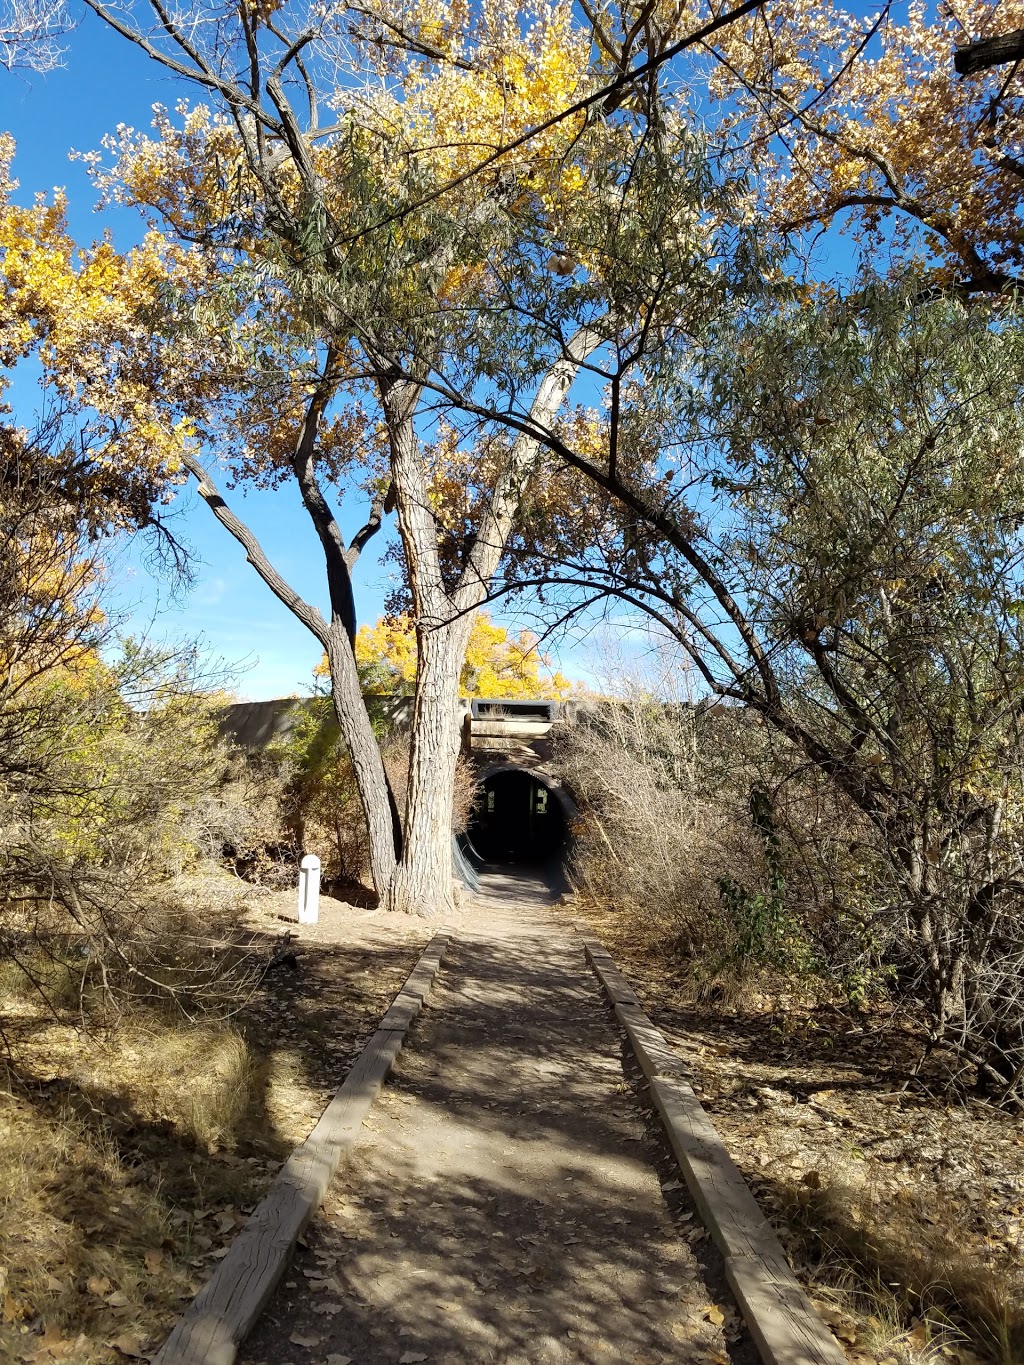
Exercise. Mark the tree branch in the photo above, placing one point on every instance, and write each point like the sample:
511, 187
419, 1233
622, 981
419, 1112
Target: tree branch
989, 52
339, 578
256, 555
383, 503
580, 106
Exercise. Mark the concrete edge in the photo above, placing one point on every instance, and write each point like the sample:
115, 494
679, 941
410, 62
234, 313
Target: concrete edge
779, 1316
227, 1307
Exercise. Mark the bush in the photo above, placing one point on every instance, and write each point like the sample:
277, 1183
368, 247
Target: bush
659, 824
100, 804
714, 841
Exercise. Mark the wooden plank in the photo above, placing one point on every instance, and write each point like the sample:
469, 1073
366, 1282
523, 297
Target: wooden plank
652, 1050
226, 1308
416, 991
730, 1212
781, 1318
774, 1309
620, 992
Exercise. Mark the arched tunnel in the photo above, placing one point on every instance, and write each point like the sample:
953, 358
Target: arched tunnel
519, 818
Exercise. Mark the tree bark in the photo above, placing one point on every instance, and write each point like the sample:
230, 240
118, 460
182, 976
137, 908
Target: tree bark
371, 780
423, 880
444, 619
989, 52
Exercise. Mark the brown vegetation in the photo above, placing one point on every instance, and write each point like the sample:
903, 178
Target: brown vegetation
133, 1149
772, 956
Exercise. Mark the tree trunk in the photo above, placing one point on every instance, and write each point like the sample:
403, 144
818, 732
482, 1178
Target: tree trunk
423, 880
444, 618
371, 780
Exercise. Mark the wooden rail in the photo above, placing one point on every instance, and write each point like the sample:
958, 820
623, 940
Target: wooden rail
779, 1315
226, 1308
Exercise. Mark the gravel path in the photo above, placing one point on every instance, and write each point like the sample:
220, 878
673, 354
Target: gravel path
502, 1204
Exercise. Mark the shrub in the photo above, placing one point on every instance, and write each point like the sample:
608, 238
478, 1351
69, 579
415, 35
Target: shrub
713, 840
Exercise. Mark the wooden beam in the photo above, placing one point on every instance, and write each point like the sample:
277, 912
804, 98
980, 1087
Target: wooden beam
227, 1307
779, 1315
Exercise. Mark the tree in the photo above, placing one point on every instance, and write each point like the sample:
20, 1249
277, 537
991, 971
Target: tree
105, 750
842, 553
495, 665
104, 747
862, 122
367, 261
30, 33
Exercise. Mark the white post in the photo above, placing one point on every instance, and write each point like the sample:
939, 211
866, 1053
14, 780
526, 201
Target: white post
309, 889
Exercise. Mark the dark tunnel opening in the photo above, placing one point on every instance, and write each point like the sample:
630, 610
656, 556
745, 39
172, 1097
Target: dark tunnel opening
517, 818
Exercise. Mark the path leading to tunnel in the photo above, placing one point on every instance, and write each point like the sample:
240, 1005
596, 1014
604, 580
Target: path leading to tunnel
502, 1204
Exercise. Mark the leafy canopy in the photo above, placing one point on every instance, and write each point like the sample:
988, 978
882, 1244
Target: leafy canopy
497, 664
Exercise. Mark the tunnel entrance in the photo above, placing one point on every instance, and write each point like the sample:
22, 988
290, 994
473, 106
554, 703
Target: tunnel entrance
516, 819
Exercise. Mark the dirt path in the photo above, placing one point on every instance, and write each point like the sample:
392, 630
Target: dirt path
503, 1204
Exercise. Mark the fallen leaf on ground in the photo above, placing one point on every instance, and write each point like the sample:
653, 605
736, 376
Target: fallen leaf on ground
98, 1285
301, 1339
53, 1344
714, 1314
128, 1344
411, 1357
338, 1360
119, 1299
153, 1258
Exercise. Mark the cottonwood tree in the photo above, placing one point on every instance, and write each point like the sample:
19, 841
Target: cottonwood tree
99, 757
861, 123
367, 260
496, 663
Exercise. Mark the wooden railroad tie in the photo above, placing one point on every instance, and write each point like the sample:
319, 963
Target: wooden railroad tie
225, 1310
779, 1315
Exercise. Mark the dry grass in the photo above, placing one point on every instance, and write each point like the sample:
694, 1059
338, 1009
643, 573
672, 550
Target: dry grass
200, 1079
112, 1112
124, 1160
131, 1152
80, 1243
901, 1260
903, 1215
95, 1257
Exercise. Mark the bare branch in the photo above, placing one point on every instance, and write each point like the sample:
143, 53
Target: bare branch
989, 52
256, 555
29, 33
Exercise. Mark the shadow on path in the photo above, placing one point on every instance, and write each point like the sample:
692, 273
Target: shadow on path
503, 1204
